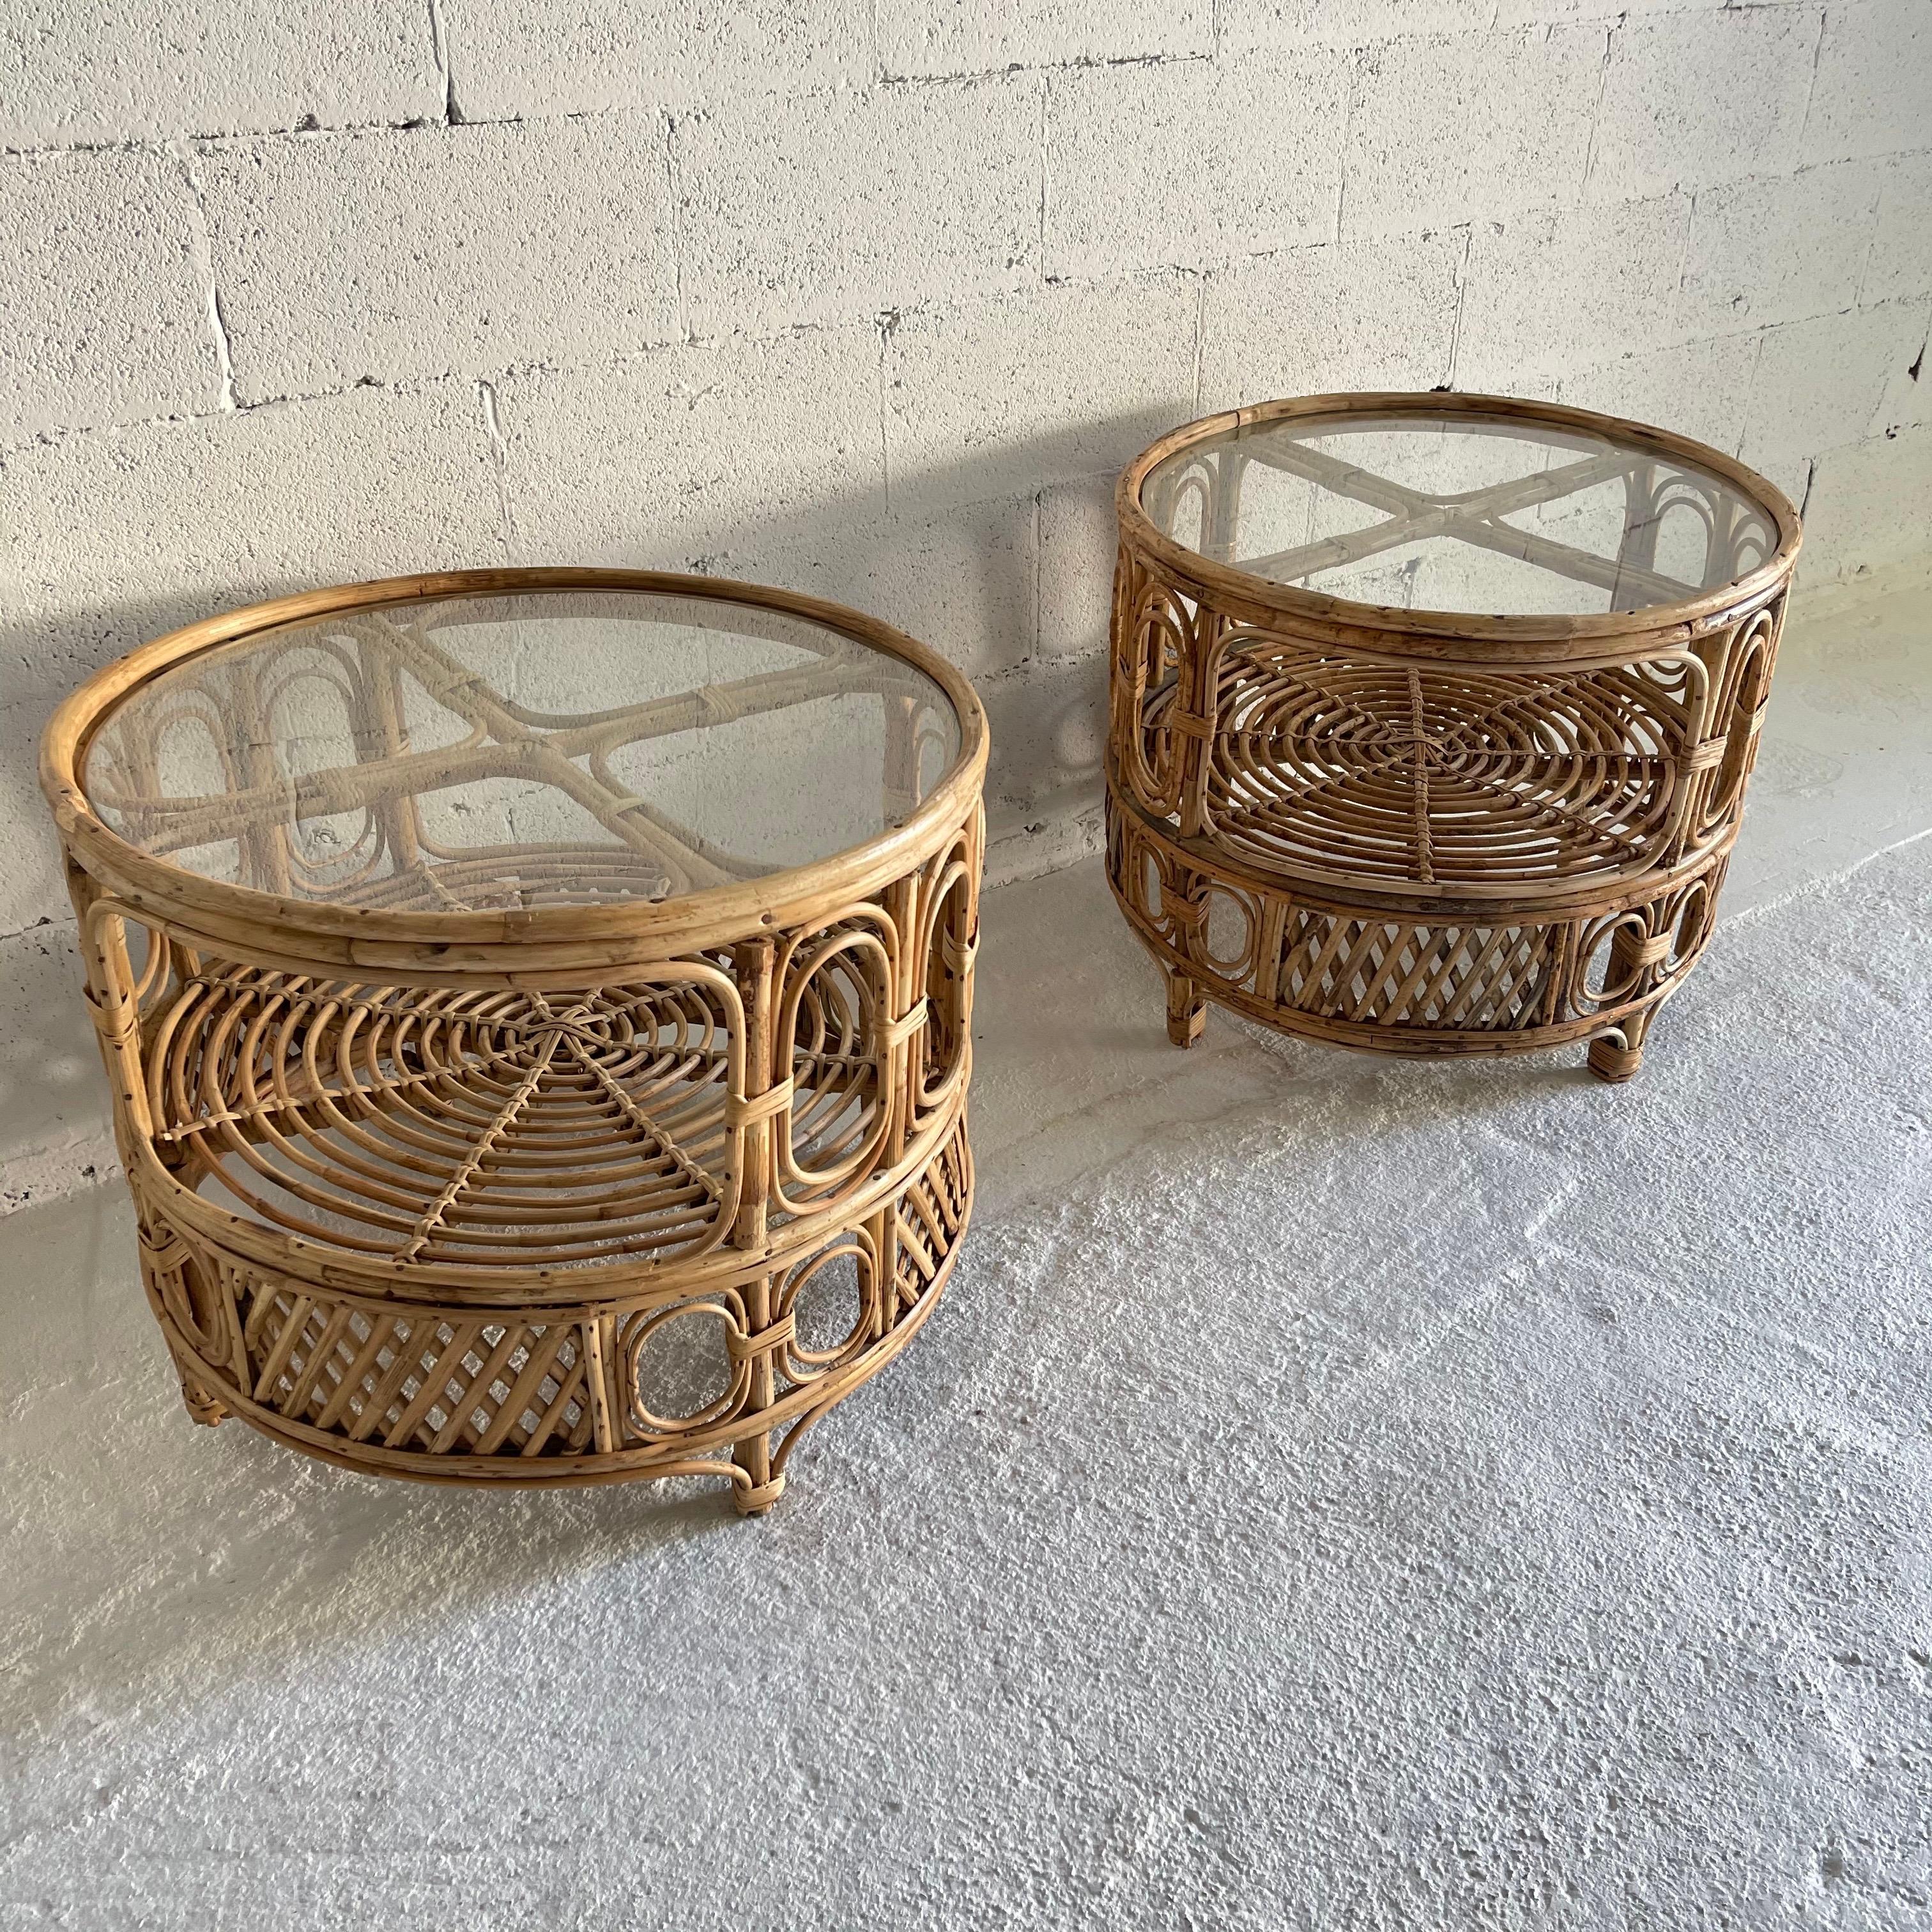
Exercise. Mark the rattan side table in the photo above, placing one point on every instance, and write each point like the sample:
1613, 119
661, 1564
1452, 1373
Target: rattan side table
538, 1008
1431, 716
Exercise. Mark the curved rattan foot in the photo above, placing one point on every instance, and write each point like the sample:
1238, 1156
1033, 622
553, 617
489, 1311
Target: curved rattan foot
203, 1407
760, 1485
1186, 1010
1616, 1055
757, 1498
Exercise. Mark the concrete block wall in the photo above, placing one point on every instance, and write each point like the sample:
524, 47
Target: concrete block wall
874, 300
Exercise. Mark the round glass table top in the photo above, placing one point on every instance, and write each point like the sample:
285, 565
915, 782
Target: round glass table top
551, 747
1456, 510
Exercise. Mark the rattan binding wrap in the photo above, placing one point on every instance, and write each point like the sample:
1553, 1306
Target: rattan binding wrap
1420, 833
428, 1187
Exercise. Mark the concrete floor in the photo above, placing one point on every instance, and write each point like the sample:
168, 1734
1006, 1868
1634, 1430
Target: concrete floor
1336, 1493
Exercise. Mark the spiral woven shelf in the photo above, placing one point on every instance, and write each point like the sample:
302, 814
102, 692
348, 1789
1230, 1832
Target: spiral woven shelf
1425, 829
467, 1156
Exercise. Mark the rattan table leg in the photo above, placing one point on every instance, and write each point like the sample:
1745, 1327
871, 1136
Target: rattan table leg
1615, 1056
1186, 1010
757, 1497
201, 1407
753, 1453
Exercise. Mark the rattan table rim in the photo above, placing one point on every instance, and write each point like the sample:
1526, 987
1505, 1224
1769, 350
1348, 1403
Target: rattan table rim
1397, 633
514, 946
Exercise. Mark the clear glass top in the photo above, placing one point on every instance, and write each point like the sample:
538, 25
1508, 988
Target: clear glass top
1478, 515
554, 748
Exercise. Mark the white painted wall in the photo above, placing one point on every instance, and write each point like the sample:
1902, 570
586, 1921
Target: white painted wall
874, 300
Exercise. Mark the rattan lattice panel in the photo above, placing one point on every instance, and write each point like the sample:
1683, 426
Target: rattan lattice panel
1426, 830
535, 1162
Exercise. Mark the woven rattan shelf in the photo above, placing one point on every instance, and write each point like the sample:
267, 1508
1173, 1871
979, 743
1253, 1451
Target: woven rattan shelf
1431, 716
537, 1005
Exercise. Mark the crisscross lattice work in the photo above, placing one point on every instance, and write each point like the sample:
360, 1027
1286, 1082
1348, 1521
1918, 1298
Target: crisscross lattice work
929, 1220
1374, 971
432, 1382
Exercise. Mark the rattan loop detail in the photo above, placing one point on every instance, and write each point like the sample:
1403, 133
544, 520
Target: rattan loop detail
894, 1033
742, 1112
767, 1341
117, 1022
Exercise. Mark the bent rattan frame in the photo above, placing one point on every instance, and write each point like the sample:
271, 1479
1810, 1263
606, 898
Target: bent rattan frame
1616, 747
755, 1095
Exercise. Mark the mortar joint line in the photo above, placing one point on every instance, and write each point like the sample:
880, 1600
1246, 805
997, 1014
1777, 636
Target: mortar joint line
1750, 392
1045, 90
445, 66
1352, 67
1039, 602
1462, 301
888, 325
1811, 89
500, 464
203, 254
1871, 242
677, 224
1200, 327
1610, 32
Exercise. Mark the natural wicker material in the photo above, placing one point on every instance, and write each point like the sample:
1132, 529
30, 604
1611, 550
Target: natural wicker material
469, 1161
1422, 831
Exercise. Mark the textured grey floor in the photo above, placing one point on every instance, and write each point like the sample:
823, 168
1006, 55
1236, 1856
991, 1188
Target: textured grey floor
1335, 1493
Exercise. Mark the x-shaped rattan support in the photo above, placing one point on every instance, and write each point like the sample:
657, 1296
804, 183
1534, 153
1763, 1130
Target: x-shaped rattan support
1474, 516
